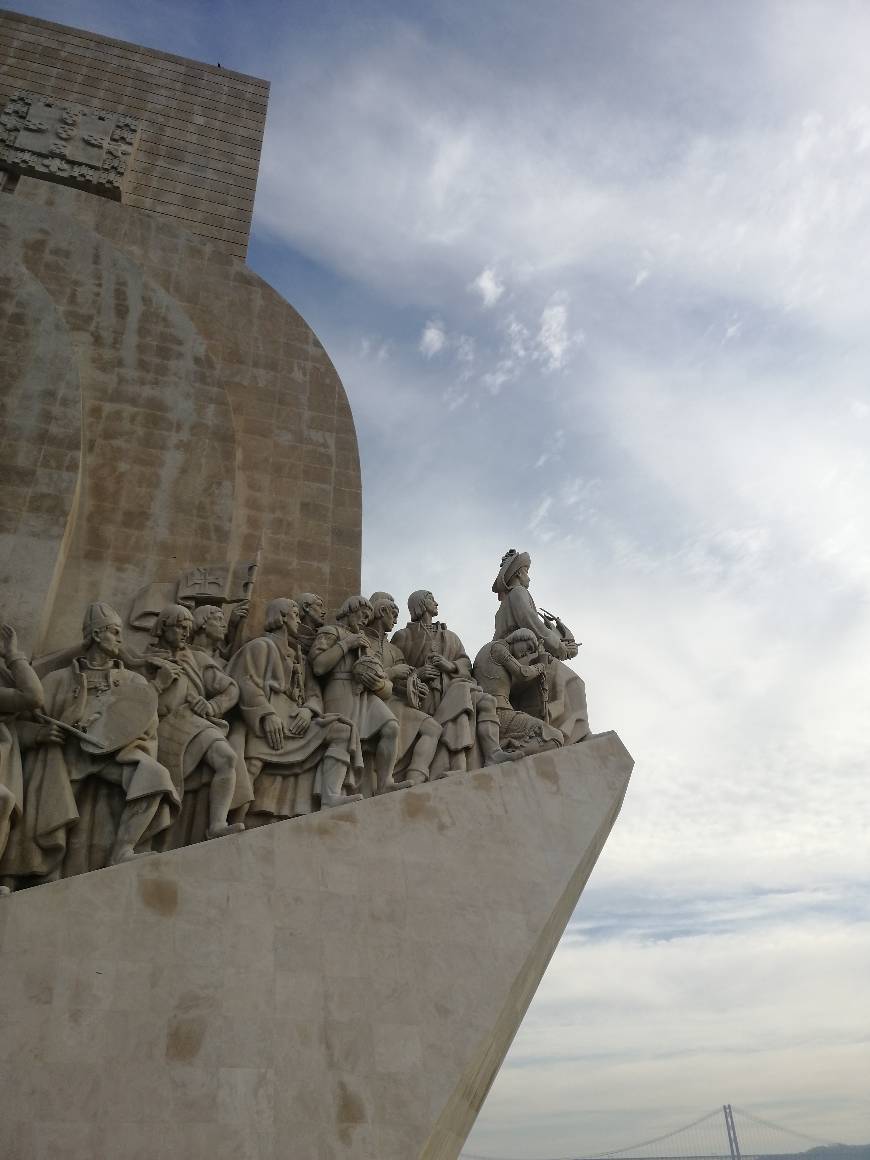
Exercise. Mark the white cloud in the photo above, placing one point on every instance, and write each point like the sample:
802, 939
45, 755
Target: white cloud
433, 338
488, 286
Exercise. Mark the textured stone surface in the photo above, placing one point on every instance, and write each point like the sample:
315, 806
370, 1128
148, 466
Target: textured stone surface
201, 126
163, 409
342, 985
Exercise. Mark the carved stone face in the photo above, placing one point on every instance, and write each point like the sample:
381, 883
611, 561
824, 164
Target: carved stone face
431, 604
359, 618
315, 612
215, 627
108, 640
522, 576
292, 617
178, 635
387, 615
523, 648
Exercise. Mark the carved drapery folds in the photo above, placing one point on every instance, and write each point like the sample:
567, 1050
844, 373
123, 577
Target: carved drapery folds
115, 751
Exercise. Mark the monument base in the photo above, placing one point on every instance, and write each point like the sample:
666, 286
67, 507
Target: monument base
344, 985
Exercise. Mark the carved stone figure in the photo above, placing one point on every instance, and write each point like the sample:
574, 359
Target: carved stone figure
95, 790
566, 691
356, 687
193, 695
210, 633
293, 751
20, 692
505, 667
465, 712
419, 733
312, 617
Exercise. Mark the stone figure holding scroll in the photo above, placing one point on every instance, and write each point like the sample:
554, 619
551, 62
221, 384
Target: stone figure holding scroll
465, 712
507, 667
294, 753
193, 695
20, 693
95, 793
356, 687
566, 694
419, 733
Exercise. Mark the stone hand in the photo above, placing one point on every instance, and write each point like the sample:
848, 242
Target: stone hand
50, 735
299, 723
274, 731
442, 664
239, 612
400, 672
428, 673
357, 640
8, 641
201, 707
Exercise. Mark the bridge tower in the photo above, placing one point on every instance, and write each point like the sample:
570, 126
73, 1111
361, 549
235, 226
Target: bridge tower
733, 1142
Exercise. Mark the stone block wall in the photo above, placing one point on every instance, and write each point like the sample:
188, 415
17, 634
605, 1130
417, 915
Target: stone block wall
163, 409
202, 126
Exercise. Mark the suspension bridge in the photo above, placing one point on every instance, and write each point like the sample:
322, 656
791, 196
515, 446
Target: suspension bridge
726, 1133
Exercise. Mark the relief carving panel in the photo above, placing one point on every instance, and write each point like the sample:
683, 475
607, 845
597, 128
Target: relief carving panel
66, 143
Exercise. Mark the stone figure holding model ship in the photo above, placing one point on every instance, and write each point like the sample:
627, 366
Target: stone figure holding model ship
566, 693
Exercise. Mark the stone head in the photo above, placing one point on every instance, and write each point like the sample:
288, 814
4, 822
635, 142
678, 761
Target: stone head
174, 625
312, 609
522, 642
282, 613
420, 602
384, 610
209, 620
355, 613
102, 629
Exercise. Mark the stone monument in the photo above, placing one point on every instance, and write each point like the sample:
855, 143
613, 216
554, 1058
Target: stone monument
278, 882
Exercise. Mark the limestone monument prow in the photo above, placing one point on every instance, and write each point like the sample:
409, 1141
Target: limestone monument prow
351, 978
279, 879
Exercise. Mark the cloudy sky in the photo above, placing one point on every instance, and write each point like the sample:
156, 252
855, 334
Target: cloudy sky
594, 276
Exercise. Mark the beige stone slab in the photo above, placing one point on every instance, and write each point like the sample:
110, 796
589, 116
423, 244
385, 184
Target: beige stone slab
343, 985
196, 120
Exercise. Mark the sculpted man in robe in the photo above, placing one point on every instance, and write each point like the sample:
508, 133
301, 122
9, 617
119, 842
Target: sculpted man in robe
312, 617
95, 790
419, 733
356, 687
566, 691
293, 751
193, 695
503, 667
465, 712
20, 692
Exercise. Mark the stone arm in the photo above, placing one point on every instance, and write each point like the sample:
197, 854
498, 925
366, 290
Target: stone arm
26, 695
221, 690
313, 694
518, 671
525, 615
327, 651
249, 669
